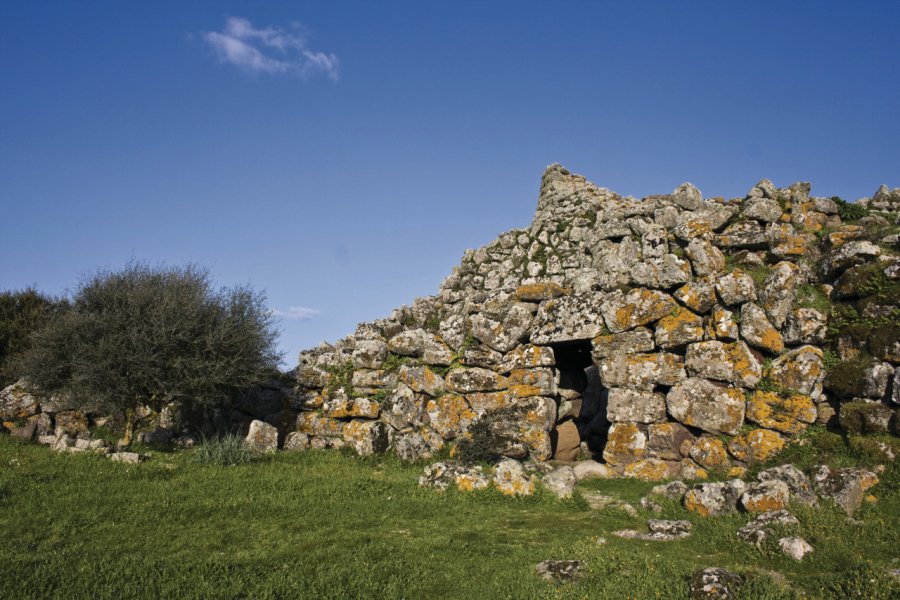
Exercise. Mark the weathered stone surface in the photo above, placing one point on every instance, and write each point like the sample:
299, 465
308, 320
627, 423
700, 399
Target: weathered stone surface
679, 328
421, 344
709, 452
528, 356
450, 415
660, 531
316, 425
703, 404
736, 288
779, 291
341, 407
441, 475
791, 414
463, 381
722, 361
628, 342
541, 379
367, 437
131, 458
797, 482
849, 255
762, 209
626, 443
369, 354
511, 479
766, 496
762, 527
722, 324
805, 326
652, 469
635, 406
876, 379
639, 306
591, 469
669, 441
744, 234
575, 317
698, 295
844, 487
566, 442
714, 583
296, 442
502, 335
795, 547
687, 196
559, 570
758, 331
756, 446
801, 370
674, 490
712, 499
641, 371
262, 437
411, 444
705, 258
16, 402
560, 481
71, 422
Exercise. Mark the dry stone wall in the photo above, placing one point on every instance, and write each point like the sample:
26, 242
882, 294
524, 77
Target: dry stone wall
669, 335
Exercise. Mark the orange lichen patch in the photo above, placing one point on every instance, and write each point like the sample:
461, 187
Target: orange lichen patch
847, 233
691, 470
745, 367
737, 472
868, 480
449, 415
682, 320
538, 443
763, 503
524, 391
772, 341
710, 453
698, 228
757, 445
482, 402
624, 316
693, 504
313, 424
531, 356
626, 443
652, 469
788, 415
360, 407
785, 218
791, 245
538, 292
531, 377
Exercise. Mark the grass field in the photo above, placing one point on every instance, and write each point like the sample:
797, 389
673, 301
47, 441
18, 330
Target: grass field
330, 525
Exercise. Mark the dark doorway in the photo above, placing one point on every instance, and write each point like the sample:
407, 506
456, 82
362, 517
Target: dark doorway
582, 402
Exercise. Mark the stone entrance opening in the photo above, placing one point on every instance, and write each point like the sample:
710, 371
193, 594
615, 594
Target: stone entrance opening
582, 404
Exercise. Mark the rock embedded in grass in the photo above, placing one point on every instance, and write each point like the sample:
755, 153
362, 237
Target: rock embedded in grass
715, 583
559, 570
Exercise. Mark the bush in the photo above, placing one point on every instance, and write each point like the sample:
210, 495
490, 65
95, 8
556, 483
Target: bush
148, 336
22, 313
224, 451
850, 211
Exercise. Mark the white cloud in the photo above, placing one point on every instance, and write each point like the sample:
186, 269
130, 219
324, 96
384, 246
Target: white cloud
296, 313
271, 50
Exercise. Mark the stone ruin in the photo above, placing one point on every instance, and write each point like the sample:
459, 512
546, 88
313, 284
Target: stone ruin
666, 336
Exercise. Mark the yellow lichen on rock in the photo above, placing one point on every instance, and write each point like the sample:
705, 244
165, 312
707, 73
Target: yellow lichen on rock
789, 415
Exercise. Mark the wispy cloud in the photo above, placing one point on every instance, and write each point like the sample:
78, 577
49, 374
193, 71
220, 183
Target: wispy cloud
271, 50
297, 313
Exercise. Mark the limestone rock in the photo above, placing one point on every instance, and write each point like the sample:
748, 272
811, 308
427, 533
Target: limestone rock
628, 342
591, 469
732, 362
795, 547
705, 258
367, 437
805, 326
712, 499
710, 453
758, 331
674, 490
463, 381
635, 406
762, 209
766, 496
779, 291
16, 402
441, 475
669, 441
736, 288
758, 445
296, 442
626, 443
849, 255
421, 379
797, 482
510, 478
788, 415
560, 481
714, 583
679, 328
652, 469
844, 487
703, 404
760, 529
262, 437
559, 570
131, 458
450, 415
641, 371
568, 318
801, 370
698, 295
687, 196
660, 531
639, 306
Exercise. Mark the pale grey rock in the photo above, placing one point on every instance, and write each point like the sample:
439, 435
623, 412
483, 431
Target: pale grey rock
296, 442
794, 547
262, 437
731, 362
369, 354
17, 402
779, 292
805, 326
797, 482
845, 487
559, 570
511, 479
641, 371
713, 499
745, 234
762, 209
560, 481
475, 379
876, 379
848, 255
441, 475
674, 490
758, 331
635, 406
761, 528
736, 288
715, 583
591, 469
687, 197
705, 258
705, 405
638, 307
628, 342
765, 496
801, 369
660, 531
131, 458
568, 318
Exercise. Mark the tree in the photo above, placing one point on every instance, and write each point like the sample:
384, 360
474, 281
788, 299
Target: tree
151, 336
22, 312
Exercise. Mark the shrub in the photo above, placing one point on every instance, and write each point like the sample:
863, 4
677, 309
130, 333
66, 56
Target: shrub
849, 211
148, 336
224, 451
22, 313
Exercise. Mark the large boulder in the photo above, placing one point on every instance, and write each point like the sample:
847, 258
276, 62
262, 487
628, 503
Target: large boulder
17, 402
262, 437
639, 306
712, 499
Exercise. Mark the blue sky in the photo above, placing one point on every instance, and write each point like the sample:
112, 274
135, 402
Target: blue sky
343, 155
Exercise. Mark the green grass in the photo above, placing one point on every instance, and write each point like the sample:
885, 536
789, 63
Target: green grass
330, 525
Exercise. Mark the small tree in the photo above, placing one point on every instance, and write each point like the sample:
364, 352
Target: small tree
151, 336
22, 312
